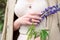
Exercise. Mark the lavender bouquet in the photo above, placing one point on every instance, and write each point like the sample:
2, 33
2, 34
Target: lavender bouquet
50, 10
42, 33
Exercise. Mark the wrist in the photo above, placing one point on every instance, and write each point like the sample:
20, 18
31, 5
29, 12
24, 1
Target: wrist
17, 24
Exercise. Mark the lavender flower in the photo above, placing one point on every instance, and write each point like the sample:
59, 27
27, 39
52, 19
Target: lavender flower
50, 10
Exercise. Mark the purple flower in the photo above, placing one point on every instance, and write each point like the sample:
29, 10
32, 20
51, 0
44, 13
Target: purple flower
49, 7
46, 9
50, 10
58, 9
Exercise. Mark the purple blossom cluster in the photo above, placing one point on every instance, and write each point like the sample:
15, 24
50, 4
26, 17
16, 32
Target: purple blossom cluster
50, 10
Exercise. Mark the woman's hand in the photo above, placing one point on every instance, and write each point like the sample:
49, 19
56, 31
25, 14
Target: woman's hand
27, 19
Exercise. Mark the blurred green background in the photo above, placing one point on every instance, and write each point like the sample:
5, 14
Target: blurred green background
2, 10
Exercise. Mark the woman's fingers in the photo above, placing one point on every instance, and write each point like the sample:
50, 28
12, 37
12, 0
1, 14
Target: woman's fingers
30, 23
34, 17
29, 18
35, 21
36, 13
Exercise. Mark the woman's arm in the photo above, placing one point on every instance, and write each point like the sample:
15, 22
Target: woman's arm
16, 24
15, 33
27, 19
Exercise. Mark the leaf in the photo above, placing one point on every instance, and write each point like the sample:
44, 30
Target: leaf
1, 26
31, 32
35, 34
43, 34
2, 9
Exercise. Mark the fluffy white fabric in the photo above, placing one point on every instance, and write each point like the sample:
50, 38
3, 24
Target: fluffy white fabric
22, 7
22, 37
